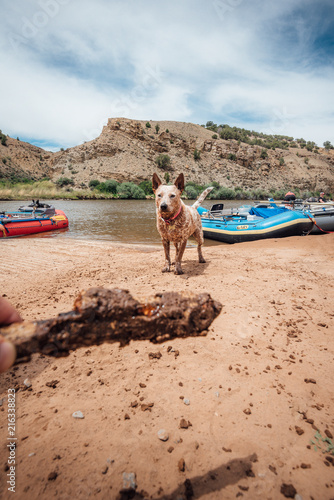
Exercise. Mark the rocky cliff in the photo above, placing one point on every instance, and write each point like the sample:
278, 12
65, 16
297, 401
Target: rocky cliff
126, 150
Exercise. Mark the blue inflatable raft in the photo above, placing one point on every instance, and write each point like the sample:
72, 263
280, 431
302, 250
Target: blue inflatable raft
255, 225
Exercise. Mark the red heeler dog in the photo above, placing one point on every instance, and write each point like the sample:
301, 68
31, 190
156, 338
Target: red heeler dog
176, 222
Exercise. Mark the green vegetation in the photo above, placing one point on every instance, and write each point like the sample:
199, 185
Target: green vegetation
163, 161
129, 190
197, 154
3, 139
64, 181
47, 190
328, 145
146, 186
157, 128
193, 190
148, 125
258, 138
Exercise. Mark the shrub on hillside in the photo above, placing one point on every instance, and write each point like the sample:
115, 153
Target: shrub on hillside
64, 181
3, 139
163, 161
93, 183
197, 154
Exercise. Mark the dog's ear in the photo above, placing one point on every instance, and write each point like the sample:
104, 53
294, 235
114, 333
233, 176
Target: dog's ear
179, 183
156, 182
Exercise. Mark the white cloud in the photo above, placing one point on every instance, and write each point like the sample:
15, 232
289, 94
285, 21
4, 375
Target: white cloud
69, 65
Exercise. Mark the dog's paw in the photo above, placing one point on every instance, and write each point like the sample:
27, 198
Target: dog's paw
202, 260
178, 271
166, 269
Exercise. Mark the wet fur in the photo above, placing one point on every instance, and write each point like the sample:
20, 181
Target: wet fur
186, 224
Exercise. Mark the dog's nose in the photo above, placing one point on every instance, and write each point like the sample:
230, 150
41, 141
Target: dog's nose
163, 206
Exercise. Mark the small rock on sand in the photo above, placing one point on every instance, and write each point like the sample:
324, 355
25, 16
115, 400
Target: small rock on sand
78, 414
163, 435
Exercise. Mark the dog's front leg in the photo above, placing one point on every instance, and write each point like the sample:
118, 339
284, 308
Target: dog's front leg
180, 248
166, 245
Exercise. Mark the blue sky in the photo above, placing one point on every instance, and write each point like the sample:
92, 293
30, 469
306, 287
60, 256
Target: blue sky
67, 66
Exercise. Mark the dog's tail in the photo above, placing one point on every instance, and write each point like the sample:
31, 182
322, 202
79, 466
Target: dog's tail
202, 197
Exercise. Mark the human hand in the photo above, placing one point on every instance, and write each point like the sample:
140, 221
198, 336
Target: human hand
8, 315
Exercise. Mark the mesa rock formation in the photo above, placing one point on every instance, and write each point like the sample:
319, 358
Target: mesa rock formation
126, 150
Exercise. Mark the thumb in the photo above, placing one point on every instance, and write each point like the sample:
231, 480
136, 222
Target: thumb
7, 354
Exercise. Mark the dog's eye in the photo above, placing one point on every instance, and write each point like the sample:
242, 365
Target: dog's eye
172, 196
159, 195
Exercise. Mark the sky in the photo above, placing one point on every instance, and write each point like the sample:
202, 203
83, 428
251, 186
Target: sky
66, 66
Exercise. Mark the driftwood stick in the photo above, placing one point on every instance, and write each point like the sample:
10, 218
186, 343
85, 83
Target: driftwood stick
103, 315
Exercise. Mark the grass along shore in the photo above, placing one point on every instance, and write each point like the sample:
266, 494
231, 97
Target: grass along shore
46, 189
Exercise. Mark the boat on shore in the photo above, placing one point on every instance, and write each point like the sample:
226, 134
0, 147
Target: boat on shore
323, 213
237, 228
31, 219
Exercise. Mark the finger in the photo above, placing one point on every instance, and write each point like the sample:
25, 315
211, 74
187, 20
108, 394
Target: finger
7, 355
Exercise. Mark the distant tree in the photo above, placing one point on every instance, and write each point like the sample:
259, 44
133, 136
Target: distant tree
146, 186
148, 125
263, 154
93, 183
281, 161
167, 177
3, 139
129, 190
215, 136
109, 186
157, 128
328, 145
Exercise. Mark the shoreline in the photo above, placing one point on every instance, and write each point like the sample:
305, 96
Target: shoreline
246, 380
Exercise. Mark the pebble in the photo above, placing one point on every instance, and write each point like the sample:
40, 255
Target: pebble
31, 454
78, 414
181, 465
186, 401
163, 435
27, 383
129, 481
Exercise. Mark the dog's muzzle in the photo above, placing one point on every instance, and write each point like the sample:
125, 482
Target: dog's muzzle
163, 206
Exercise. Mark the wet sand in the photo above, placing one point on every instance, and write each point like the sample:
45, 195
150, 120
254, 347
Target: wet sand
253, 394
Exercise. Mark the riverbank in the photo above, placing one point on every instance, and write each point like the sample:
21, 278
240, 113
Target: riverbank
63, 190
259, 384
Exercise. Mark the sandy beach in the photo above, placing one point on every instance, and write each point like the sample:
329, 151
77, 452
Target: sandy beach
256, 392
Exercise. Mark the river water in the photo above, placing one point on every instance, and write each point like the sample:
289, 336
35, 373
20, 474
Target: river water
118, 221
